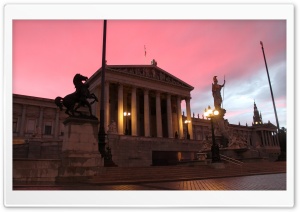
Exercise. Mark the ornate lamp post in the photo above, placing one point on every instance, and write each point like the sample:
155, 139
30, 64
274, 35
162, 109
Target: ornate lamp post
126, 114
187, 122
215, 154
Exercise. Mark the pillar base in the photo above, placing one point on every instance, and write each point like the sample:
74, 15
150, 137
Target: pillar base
80, 156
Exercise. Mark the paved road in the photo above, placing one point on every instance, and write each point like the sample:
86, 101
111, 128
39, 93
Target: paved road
255, 182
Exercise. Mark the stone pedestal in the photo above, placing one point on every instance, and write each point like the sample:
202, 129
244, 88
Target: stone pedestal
80, 156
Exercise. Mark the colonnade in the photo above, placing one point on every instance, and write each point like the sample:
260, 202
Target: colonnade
269, 138
171, 127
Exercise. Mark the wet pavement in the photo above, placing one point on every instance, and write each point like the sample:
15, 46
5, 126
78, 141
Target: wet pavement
253, 182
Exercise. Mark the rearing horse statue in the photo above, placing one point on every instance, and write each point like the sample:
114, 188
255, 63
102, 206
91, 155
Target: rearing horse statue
77, 99
82, 90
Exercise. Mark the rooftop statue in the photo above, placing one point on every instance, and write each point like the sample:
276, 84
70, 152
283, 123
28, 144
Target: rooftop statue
78, 99
216, 92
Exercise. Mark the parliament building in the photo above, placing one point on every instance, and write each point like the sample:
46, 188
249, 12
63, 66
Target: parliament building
144, 122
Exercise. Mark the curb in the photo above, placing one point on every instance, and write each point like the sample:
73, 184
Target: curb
120, 182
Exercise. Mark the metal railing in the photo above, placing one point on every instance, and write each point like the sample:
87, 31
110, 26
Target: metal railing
231, 160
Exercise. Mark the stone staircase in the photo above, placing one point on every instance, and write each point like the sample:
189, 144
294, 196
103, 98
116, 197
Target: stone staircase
117, 175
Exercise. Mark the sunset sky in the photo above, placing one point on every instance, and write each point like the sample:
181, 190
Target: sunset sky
47, 54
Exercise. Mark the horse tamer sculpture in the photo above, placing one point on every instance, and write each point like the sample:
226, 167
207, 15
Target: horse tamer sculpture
78, 99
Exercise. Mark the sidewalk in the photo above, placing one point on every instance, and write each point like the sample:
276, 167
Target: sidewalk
121, 175
254, 182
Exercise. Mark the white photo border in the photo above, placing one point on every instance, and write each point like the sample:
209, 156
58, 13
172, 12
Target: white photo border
144, 11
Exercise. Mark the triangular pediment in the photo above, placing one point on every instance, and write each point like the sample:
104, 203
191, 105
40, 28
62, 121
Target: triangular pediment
270, 125
150, 72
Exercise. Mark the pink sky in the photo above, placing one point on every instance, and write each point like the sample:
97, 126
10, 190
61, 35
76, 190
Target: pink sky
47, 54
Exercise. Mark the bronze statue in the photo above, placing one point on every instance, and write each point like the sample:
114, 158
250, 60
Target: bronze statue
78, 99
216, 92
82, 89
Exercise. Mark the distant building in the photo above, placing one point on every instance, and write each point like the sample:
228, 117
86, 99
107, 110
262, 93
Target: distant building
153, 98
257, 119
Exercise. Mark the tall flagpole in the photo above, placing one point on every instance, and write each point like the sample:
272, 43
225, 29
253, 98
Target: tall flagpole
106, 154
101, 134
262, 47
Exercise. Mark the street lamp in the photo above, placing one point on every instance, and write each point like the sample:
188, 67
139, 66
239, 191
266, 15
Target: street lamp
209, 113
187, 122
126, 114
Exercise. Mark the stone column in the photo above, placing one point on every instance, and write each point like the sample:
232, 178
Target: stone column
139, 125
146, 113
158, 116
19, 124
270, 139
133, 112
188, 116
57, 125
23, 121
120, 110
40, 126
273, 139
106, 106
267, 138
125, 109
263, 137
179, 113
169, 115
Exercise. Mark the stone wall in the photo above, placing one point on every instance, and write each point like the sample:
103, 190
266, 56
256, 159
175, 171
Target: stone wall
37, 149
35, 170
138, 151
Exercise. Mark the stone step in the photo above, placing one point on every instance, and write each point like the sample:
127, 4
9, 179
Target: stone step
134, 174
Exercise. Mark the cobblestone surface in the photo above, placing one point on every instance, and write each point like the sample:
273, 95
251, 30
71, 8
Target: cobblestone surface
254, 182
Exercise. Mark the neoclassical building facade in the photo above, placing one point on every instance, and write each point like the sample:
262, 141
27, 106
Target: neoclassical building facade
149, 94
153, 98
35, 117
